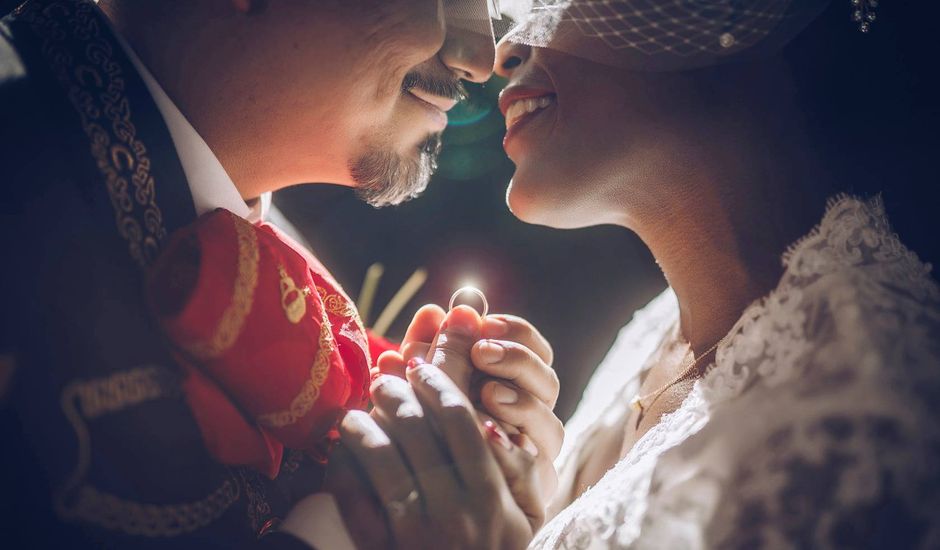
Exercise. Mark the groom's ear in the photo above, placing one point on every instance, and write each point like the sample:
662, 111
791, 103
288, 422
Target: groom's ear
248, 6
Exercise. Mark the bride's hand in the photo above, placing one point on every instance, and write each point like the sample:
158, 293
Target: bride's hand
521, 387
437, 480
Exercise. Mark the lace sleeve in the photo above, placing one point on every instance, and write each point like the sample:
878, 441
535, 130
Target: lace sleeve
840, 478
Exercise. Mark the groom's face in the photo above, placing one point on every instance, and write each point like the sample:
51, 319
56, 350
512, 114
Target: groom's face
361, 88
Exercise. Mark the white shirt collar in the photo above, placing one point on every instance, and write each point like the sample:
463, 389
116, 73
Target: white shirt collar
209, 183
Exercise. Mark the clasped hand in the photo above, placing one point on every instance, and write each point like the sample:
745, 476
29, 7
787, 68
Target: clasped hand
432, 467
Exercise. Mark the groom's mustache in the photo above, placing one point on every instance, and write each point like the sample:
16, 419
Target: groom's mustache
451, 88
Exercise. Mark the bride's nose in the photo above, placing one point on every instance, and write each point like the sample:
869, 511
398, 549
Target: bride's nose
510, 55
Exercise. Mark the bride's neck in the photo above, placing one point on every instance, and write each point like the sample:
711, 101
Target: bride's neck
720, 245
713, 275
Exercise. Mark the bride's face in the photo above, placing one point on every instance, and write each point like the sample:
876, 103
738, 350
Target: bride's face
594, 144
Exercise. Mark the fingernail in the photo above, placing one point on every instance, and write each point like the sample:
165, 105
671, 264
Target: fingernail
492, 352
497, 435
494, 328
414, 363
462, 320
504, 395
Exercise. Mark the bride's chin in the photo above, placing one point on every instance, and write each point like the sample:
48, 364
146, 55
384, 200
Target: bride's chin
520, 203
531, 206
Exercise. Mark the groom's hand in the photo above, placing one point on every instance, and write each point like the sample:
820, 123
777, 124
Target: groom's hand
519, 388
435, 476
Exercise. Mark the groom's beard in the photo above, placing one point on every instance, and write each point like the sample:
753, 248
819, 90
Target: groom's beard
386, 178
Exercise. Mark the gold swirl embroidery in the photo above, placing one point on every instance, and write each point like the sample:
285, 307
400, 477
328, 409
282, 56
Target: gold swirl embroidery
304, 401
243, 295
152, 520
78, 500
292, 460
340, 304
96, 89
259, 509
120, 390
336, 304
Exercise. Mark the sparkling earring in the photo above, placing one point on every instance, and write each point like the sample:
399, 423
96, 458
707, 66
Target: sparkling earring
863, 13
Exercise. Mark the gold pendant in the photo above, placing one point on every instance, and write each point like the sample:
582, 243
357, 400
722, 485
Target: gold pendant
293, 299
637, 404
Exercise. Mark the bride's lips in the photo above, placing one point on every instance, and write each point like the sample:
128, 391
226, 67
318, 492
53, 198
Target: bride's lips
520, 105
435, 105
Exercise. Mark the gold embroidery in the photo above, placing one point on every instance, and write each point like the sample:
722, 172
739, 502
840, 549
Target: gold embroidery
259, 509
152, 520
310, 391
340, 304
336, 304
96, 89
243, 295
292, 461
77, 500
293, 299
120, 390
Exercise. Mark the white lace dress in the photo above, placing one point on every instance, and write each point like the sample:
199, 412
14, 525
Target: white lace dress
815, 428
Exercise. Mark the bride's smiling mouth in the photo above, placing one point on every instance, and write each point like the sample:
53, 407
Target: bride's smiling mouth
521, 105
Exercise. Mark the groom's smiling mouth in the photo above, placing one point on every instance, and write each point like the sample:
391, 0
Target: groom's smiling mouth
436, 106
436, 95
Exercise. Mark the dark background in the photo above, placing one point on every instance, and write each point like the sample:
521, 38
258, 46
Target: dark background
578, 287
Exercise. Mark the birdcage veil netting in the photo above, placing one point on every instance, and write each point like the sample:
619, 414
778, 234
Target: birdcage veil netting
471, 15
659, 34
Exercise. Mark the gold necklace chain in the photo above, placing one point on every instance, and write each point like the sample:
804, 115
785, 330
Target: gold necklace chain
638, 401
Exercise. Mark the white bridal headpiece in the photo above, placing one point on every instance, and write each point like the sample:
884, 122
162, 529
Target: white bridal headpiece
667, 34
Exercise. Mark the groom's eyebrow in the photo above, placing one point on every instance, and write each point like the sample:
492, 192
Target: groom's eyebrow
449, 88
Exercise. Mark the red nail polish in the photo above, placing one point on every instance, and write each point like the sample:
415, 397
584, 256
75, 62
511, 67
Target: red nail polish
414, 362
495, 434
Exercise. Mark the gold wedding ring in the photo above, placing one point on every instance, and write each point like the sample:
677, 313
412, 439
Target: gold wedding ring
470, 290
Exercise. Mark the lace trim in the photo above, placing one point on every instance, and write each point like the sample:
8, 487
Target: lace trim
857, 258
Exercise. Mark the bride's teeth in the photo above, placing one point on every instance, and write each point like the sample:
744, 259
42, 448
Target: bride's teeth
522, 107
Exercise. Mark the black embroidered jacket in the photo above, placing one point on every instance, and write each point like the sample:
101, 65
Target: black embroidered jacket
99, 448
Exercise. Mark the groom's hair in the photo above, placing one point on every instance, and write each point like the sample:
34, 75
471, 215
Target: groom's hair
384, 178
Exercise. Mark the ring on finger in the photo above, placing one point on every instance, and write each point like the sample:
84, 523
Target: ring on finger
397, 509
